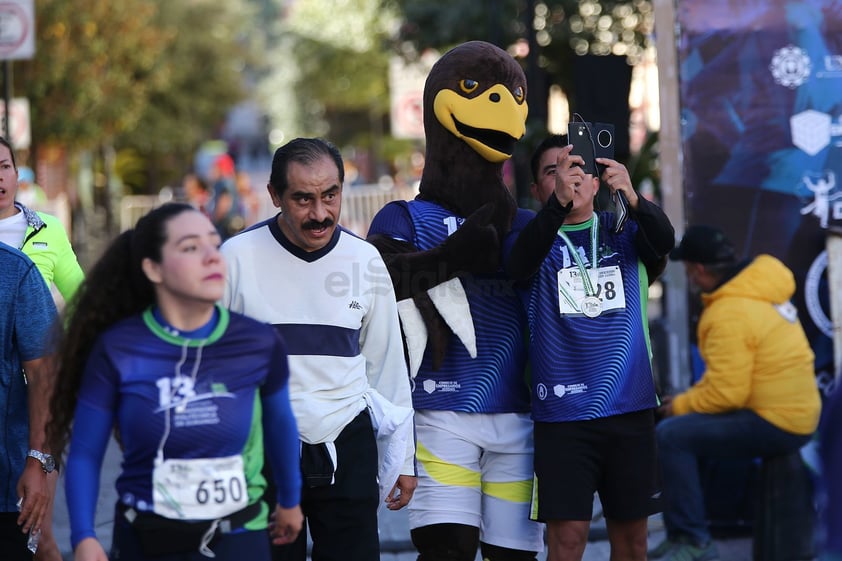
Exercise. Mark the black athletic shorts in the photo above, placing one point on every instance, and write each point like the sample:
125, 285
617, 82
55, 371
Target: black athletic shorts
614, 456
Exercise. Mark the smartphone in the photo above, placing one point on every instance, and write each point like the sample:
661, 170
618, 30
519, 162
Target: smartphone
592, 142
579, 135
603, 134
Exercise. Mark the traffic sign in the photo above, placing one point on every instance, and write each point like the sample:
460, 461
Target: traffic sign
17, 29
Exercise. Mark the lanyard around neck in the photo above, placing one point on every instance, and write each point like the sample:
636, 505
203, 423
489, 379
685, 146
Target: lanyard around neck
586, 279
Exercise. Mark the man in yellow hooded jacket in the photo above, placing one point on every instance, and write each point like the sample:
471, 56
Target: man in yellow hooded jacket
758, 394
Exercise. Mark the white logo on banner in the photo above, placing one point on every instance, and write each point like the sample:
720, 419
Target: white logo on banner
832, 67
790, 66
812, 294
822, 199
813, 130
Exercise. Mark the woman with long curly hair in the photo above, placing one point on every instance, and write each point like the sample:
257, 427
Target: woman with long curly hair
190, 388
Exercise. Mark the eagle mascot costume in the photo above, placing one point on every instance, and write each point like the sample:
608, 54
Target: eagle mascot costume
463, 323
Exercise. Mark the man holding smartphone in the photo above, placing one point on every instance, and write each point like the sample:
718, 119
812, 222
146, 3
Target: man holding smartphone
592, 383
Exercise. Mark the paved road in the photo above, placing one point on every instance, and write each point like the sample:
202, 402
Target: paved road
394, 526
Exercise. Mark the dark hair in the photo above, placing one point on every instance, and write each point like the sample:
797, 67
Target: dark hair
552, 141
8, 145
200, 183
115, 288
303, 151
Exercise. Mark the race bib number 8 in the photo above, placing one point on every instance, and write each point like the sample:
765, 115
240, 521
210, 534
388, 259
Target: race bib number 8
199, 488
607, 283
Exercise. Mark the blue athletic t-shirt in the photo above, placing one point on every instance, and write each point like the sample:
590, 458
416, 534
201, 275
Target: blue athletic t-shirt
582, 367
494, 381
212, 388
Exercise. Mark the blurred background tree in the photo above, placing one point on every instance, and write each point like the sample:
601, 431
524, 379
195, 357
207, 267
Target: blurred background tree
94, 66
153, 76
138, 83
330, 77
213, 49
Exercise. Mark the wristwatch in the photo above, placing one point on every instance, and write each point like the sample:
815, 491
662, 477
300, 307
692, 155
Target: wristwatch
48, 463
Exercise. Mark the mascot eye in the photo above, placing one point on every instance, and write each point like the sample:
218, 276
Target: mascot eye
519, 94
468, 86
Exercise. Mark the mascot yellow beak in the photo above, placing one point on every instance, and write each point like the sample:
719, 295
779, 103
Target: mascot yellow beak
490, 122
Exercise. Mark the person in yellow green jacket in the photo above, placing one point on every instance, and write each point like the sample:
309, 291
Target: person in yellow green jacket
758, 394
43, 239
39, 235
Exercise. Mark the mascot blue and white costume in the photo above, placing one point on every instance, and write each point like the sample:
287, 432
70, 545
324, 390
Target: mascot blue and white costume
463, 323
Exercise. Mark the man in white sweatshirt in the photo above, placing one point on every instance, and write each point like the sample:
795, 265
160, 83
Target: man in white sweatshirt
331, 298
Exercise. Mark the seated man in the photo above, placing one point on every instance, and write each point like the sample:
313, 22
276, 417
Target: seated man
758, 394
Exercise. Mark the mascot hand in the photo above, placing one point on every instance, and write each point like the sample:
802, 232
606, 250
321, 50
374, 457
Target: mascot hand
475, 246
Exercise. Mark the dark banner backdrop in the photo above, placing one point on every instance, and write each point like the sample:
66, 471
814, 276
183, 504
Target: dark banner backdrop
761, 109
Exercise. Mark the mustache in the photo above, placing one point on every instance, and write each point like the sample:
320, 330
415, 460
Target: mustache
313, 225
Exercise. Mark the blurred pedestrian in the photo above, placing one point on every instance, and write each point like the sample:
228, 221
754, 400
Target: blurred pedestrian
225, 209
30, 193
248, 199
197, 193
191, 389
